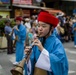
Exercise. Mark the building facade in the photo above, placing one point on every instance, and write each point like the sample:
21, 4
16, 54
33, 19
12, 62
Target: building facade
27, 8
5, 8
24, 8
67, 6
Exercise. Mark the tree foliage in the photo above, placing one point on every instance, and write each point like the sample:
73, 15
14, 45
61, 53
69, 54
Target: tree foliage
2, 25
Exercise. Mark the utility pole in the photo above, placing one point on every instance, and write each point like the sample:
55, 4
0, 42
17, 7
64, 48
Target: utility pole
11, 7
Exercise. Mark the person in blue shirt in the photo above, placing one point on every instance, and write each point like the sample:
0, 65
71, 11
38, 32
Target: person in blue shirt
48, 56
8, 30
20, 33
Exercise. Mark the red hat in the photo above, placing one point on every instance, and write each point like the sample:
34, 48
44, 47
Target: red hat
48, 18
19, 18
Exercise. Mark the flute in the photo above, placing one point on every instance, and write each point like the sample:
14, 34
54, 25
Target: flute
31, 46
12, 34
18, 70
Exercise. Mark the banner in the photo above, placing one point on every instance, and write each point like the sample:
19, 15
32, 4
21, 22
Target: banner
5, 1
23, 2
16, 1
26, 2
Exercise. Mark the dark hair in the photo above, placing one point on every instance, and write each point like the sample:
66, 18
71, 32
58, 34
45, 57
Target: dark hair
7, 21
51, 27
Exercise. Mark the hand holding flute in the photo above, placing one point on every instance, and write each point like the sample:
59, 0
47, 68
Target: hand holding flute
36, 42
16, 28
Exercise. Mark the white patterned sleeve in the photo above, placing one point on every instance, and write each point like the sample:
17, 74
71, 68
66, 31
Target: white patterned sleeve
43, 61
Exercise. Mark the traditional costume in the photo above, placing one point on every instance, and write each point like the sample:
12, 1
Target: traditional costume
52, 60
74, 33
21, 34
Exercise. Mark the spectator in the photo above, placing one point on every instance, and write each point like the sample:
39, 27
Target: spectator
8, 30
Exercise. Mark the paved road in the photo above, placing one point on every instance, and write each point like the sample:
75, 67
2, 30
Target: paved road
6, 63
71, 53
7, 60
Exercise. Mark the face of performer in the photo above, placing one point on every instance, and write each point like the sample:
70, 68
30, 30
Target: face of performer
18, 22
43, 29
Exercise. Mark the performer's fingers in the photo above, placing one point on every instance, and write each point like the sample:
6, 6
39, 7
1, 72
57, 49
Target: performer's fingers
27, 51
28, 47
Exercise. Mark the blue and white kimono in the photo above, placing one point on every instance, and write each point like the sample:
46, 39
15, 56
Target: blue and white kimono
74, 32
53, 58
21, 33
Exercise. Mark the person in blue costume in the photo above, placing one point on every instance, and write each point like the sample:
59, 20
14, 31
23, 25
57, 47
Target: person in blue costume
48, 56
20, 32
74, 32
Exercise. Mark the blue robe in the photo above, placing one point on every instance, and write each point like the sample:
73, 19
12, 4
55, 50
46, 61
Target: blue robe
20, 44
57, 56
74, 32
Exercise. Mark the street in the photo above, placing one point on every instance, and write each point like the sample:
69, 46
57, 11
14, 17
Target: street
7, 60
71, 53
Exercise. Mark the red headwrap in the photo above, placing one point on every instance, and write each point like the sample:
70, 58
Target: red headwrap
19, 18
48, 18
